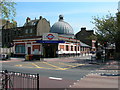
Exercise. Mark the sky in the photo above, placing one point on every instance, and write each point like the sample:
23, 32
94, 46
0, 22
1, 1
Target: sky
77, 14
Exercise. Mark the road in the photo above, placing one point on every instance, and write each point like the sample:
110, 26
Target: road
55, 73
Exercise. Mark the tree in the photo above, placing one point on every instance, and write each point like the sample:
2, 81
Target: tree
106, 28
8, 10
118, 36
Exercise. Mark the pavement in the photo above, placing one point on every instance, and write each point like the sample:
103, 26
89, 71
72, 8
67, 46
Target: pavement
12, 60
106, 77
97, 81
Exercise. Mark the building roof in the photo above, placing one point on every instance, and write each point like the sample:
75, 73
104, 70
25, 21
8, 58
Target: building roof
62, 27
31, 22
84, 45
6, 24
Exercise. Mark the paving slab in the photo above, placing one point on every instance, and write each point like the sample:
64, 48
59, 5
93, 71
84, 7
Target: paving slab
97, 81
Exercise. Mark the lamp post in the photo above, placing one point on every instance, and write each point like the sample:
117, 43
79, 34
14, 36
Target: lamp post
76, 47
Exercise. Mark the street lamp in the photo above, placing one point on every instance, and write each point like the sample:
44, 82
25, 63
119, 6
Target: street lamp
76, 47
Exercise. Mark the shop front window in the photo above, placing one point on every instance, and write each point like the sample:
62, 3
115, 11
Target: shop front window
20, 49
26, 31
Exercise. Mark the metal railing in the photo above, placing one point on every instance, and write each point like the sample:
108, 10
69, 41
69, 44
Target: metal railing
16, 80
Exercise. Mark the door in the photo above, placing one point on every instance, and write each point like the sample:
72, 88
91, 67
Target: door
29, 50
50, 50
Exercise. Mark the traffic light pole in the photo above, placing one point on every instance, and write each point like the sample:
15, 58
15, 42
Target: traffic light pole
105, 54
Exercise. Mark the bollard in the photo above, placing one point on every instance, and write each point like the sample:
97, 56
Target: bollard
6, 80
37, 81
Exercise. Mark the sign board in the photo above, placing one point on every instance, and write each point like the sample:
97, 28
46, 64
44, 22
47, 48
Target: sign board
50, 36
50, 41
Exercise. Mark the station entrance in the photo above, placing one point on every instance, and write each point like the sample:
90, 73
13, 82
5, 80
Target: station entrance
49, 50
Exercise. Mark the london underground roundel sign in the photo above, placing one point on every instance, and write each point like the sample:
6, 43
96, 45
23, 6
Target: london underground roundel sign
50, 36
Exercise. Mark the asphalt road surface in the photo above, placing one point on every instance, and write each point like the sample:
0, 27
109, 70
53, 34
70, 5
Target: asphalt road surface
54, 74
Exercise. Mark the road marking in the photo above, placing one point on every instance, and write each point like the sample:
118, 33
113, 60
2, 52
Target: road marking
40, 67
35, 65
19, 65
55, 66
65, 64
71, 66
55, 78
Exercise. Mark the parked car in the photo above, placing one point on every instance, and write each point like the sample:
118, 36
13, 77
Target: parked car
92, 52
3, 56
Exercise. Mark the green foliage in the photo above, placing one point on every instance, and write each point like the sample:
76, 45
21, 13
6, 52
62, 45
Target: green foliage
7, 9
106, 28
92, 37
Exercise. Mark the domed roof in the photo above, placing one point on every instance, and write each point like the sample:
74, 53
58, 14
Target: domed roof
62, 27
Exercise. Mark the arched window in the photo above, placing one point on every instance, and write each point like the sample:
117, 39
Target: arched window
67, 48
71, 48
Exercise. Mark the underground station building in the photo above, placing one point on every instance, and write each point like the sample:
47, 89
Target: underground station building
58, 40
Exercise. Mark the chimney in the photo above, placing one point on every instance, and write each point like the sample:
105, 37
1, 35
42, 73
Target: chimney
83, 28
7, 24
40, 17
27, 20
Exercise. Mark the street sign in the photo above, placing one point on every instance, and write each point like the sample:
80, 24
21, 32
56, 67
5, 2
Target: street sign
50, 36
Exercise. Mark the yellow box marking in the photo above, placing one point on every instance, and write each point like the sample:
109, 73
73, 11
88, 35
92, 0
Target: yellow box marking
71, 65
55, 66
19, 65
35, 65
66, 64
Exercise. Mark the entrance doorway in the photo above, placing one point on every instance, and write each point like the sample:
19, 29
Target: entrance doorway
49, 50
29, 50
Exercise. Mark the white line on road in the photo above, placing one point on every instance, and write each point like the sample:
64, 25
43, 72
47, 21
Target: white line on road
55, 78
